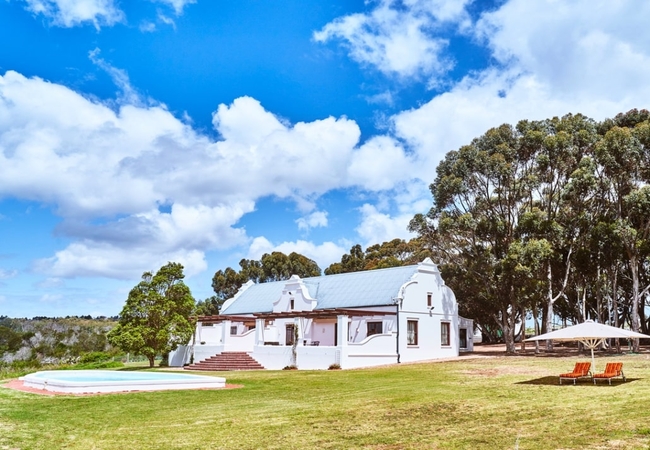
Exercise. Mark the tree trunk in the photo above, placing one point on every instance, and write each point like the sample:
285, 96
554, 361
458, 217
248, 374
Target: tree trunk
151, 360
634, 268
508, 331
615, 305
599, 296
549, 306
523, 330
552, 299
536, 324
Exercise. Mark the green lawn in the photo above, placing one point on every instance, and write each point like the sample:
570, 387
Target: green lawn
491, 403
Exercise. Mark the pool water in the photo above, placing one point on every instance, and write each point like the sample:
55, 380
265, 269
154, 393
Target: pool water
95, 381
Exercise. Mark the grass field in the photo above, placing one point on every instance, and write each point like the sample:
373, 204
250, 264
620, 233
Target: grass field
483, 403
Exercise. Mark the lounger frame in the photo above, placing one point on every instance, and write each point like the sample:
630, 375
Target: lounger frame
581, 370
612, 370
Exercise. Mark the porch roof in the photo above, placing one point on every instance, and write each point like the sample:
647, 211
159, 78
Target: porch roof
315, 314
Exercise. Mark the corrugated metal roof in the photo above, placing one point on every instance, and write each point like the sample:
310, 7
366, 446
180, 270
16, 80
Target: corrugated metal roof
346, 290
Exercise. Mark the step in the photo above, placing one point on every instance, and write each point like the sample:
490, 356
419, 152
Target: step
227, 361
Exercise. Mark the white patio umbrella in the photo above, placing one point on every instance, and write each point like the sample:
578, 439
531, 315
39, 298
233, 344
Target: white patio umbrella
590, 333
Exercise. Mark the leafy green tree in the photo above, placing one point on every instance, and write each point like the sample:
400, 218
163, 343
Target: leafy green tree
395, 253
275, 266
555, 148
156, 317
227, 282
208, 307
550, 216
623, 155
481, 195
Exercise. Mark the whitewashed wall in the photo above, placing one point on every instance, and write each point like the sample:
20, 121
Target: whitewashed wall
468, 324
414, 306
240, 343
376, 350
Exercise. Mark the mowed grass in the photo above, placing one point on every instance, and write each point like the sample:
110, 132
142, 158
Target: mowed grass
491, 403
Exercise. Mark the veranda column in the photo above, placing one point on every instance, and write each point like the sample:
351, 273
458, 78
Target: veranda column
259, 331
342, 329
301, 333
342, 333
225, 332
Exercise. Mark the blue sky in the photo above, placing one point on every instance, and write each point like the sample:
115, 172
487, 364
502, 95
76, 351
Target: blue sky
136, 133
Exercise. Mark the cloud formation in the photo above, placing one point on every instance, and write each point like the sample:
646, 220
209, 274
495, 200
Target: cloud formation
551, 61
399, 38
6, 274
70, 13
313, 220
549, 58
324, 254
137, 187
178, 5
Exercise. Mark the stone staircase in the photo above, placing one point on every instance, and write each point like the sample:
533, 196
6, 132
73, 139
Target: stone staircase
227, 361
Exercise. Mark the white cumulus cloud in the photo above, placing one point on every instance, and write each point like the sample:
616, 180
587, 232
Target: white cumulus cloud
178, 5
136, 186
313, 220
70, 13
399, 38
324, 254
553, 58
377, 227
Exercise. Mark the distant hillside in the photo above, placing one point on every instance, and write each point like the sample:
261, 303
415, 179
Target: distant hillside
52, 340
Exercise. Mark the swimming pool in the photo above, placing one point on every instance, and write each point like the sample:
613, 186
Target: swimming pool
96, 381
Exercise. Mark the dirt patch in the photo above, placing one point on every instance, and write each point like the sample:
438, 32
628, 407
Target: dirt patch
503, 370
19, 385
559, 350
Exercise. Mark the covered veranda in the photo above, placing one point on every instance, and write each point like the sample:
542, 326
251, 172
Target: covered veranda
309, 339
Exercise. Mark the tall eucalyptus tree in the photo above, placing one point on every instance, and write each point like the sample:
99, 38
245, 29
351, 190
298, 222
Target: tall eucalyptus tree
623, 155
480, 193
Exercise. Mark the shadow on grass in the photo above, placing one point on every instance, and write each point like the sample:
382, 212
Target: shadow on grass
554, 381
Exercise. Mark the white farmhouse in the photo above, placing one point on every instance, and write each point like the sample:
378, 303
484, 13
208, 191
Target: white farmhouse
358, 319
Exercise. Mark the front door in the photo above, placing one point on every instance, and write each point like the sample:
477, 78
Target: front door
463, 337
289, 336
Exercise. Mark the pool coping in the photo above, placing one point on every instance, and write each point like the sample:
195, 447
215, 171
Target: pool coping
19, 385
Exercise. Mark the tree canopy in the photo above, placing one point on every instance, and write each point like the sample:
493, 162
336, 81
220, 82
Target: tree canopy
547, 218
156, 317
208, 307
275, 266
395, 253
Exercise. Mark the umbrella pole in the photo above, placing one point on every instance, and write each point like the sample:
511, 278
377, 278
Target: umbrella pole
593, 361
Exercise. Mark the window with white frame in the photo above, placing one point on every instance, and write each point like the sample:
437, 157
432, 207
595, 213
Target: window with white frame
445, 328
233, 330
412, 332
429, 299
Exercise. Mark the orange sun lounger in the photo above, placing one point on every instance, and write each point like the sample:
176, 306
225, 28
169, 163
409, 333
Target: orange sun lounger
581, 370
612, 370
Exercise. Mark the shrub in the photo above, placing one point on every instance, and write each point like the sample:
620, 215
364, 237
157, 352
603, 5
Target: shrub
291, 367
334, 367
25, 364
94, 357
99, 365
